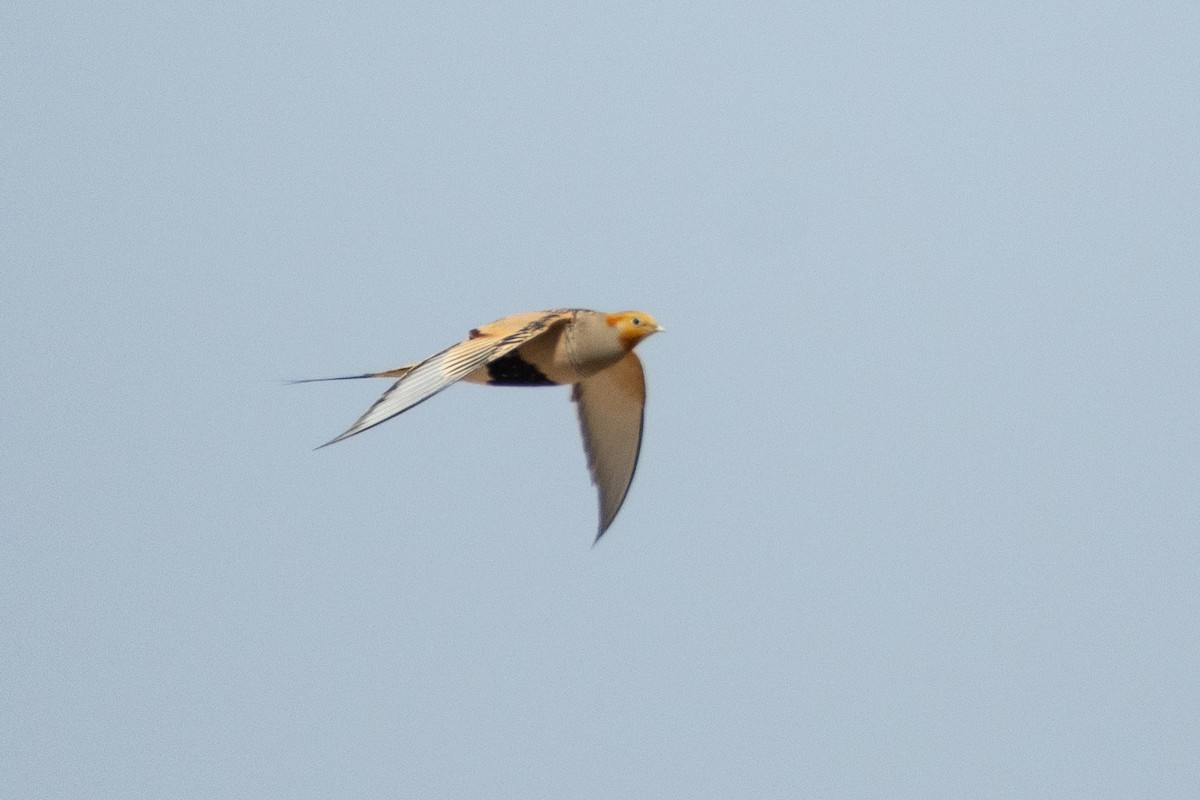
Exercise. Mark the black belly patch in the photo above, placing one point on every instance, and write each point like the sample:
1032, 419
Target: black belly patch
512, 370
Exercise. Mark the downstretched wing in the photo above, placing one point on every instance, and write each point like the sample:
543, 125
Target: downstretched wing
435, 373
611, 404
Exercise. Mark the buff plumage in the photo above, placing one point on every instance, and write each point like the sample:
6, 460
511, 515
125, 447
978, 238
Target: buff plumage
588, 350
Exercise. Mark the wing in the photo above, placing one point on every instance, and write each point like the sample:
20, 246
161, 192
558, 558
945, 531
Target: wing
610, 405
435, 373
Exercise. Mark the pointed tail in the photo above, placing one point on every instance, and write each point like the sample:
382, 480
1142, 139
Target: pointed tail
398, 372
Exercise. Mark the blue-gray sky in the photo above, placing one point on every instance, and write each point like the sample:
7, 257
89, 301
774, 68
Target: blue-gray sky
917, 513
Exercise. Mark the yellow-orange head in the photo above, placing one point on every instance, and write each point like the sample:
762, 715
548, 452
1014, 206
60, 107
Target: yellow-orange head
632, 327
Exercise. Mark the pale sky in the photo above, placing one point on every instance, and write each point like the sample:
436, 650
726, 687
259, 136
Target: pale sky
918, 505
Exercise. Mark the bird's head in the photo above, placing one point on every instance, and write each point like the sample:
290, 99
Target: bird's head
632, 327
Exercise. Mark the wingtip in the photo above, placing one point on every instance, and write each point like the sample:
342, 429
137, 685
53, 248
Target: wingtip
334, 440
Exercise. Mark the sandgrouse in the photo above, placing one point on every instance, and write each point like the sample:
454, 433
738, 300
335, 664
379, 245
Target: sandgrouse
590, 350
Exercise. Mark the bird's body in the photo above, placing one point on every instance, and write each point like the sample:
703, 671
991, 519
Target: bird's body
589, 350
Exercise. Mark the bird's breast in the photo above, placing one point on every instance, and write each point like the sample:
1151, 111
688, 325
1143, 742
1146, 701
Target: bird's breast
564, 355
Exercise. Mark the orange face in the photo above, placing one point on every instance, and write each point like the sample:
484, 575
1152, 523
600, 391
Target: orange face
632, 326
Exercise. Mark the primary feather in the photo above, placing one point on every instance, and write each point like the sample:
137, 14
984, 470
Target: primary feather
587, 349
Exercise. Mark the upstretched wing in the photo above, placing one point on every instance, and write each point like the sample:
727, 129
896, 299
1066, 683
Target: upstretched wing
435, 373
611, 405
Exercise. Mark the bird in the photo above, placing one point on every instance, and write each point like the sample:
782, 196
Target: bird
591, 351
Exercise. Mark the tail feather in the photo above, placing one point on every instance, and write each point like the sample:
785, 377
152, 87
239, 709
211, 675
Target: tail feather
398, 372
338, 378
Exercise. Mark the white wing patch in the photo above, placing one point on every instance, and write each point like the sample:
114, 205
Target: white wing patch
451, 365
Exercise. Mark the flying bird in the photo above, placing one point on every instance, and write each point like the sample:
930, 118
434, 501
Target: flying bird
589, 350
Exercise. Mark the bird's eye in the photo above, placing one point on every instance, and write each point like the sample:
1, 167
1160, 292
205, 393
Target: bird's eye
636, 321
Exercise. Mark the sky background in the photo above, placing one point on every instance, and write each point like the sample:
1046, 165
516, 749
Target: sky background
918, 505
